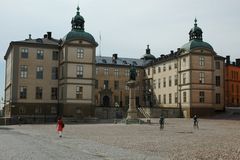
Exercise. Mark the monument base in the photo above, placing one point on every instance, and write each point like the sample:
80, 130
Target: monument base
132, 114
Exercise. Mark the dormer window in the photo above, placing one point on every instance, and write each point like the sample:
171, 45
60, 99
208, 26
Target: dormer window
134, 63
104, 61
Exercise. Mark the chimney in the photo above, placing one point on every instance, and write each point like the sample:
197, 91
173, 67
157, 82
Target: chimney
49, 35
162, 55
238, 62
227, 59
171, 51
29, 36
115, 56
178, 49
233, 63
45, 36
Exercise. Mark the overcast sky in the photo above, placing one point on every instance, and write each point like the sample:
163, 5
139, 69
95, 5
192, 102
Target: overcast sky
126, 26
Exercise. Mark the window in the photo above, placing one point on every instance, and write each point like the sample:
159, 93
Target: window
55, 55
148, 71
105, 71
154, 84
79, 92
127, 72
159, 69
184, 62
116, 84
164, 67
79, 71
175, 80
154, 70
164, 99
218, 98
175, 65
23, 71
105, 85
21, 110
54, 93
54, 73
218, 81
62, 71
217, 65
169, 67
97, 70
184, 97
159, 83
96, 84
201, 77
164, 82
176, 97
159, 99
116, 72
201, 61
80, 53
232, 88
40, 54
23, 92
53, 110
24, 53
170, 98
184, 78
38, 92
201, 97
170, 81
39, 72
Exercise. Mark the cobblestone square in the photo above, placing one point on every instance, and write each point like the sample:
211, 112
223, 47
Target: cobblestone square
215, 139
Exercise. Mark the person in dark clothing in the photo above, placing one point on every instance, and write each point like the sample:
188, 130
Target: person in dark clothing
195, 121
161, 122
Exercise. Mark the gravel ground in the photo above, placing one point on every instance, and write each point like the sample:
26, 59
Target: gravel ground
214, 140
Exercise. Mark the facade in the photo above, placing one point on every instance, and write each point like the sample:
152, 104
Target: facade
47, 77
190, 79
232, 83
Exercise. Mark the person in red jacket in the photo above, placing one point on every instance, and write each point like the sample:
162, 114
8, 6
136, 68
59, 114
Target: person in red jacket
60, 126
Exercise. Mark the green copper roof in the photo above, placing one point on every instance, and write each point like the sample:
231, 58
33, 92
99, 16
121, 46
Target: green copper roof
196, 44
195, 39
77, 32
148, 55
79, 35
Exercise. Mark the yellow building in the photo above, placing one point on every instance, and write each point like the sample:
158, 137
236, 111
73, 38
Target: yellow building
47, 77
190, 80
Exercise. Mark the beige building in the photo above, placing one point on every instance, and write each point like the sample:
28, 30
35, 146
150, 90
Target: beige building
46, 77
190, 80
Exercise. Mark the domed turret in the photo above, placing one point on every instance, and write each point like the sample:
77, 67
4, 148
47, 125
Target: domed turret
78, 21
195, 39
148, 55
195, 32
77, 32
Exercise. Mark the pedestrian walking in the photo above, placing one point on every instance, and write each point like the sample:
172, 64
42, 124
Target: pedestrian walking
60, 126
161, 122
19, 120
195, 122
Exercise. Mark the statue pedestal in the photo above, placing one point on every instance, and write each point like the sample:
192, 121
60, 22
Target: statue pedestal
132, 111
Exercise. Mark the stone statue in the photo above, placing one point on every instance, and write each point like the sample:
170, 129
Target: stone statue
133, 73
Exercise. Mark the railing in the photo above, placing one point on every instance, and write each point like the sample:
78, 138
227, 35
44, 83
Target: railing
145, 114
